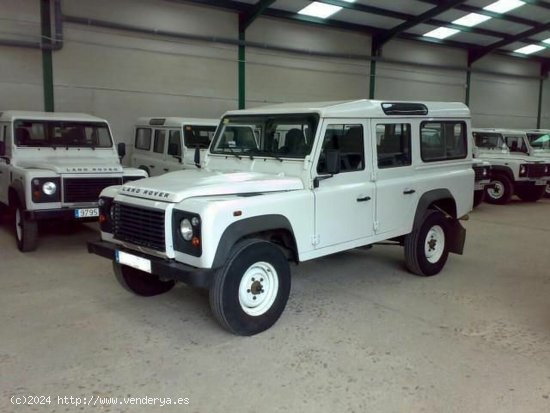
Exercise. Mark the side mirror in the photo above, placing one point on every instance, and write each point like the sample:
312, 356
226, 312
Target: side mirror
197, 157
121, 149
333, 161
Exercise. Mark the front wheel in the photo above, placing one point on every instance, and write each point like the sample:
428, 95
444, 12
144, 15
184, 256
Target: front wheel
250, 292
531, 193
26, 231
140, 282
426, 247
501, 190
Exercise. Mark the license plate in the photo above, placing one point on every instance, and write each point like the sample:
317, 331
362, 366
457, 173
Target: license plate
86, 213
133, 261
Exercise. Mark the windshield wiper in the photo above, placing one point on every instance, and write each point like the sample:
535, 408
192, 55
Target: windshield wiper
232, 152
269, 154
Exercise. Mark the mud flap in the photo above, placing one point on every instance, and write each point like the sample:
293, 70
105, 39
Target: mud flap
457, 237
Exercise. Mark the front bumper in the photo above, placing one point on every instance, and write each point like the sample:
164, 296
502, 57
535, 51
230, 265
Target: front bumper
165, 269
61, 213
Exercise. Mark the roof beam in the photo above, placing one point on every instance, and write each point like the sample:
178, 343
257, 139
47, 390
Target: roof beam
427, 15
246, 19
477, 54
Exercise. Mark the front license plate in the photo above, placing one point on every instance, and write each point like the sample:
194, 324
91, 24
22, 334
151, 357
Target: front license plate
133, 261
86, 213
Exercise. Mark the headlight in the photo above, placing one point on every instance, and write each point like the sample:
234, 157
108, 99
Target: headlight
485, 172
186, 229
49, 188
522, 170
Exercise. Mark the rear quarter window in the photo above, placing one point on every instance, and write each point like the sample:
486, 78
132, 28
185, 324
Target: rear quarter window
143, 139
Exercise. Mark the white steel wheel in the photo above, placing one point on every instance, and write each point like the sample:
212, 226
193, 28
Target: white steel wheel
18, 225
258, 288
435, 244
547, 191
497, 191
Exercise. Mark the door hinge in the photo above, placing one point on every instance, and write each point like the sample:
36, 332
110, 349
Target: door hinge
376, 225
315, 240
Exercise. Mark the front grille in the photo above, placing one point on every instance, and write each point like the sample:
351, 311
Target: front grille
86, 189
140, 226
479, 173
537, 170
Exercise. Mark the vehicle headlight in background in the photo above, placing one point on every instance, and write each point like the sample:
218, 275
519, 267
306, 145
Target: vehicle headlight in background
186, 229
522, 170
49, 188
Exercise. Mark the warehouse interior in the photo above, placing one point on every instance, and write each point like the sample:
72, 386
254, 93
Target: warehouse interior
359, 333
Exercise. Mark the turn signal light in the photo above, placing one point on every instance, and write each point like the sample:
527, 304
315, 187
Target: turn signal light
102, 218
196, 242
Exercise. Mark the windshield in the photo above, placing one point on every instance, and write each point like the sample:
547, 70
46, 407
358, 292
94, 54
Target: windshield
539, 140
200, 136
42, 133
277, 136
489, 140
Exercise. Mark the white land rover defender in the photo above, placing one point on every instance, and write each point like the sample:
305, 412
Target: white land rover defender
290, 183
513, 172
54, 166
169, 144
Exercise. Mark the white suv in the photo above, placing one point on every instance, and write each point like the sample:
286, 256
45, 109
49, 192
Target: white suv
513, 171
290, 183
54, 166
169, 144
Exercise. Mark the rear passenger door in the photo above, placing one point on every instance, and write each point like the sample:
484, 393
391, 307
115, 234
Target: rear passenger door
344, 203
396, 192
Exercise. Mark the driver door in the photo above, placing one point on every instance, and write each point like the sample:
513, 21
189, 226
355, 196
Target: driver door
344, 203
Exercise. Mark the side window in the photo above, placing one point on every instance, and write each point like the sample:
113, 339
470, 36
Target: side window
174, 143
160, 137
516, 144
441, 141
143, 139
393, 145
348, 139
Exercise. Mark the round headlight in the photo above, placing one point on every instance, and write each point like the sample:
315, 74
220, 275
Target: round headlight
49, 188
522, 170
186, 229
485, 172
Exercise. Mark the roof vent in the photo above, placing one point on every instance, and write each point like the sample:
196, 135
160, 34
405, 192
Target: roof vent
394, 109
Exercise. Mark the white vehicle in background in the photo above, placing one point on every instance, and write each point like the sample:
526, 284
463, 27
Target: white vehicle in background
539, 142
54, 166
513, 171
170, 144
290, 183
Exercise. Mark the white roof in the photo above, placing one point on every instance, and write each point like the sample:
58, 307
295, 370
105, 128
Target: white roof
11, 115
500, 130
363, 108
176, 121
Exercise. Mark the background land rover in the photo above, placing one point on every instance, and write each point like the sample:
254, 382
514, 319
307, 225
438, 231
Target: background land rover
54, 166
168, 144
309, 180
512, 173
539, 142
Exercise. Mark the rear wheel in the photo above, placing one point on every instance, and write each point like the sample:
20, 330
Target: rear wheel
26, 231
547, 191
479, 196
531, 193
501, 190
426, 247
250, 292
141, 282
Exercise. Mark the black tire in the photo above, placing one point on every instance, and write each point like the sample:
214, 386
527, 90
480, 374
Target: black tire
140, 282
531, 193
26, 230
503, 191
416, 258
547, 191
479, 197
247, 259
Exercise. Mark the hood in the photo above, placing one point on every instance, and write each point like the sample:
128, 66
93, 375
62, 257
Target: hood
177, 186
80, 165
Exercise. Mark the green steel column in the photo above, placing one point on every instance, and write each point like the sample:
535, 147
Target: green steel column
468, 85
539, 113
242, 70
47, 66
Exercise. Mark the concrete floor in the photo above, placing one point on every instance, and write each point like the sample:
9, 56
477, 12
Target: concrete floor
359, 334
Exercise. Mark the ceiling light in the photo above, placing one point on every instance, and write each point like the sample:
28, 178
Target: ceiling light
320, 10
547, 41
532, 48
471, 19
502, 6
441, 32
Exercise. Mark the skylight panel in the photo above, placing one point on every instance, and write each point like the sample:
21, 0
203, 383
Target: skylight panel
503, 6
320, 10
471, 19
441, 33
532, 48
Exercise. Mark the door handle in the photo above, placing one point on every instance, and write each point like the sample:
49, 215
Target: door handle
363, 199
409, 191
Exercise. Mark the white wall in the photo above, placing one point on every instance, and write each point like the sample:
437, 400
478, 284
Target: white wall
122, 75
